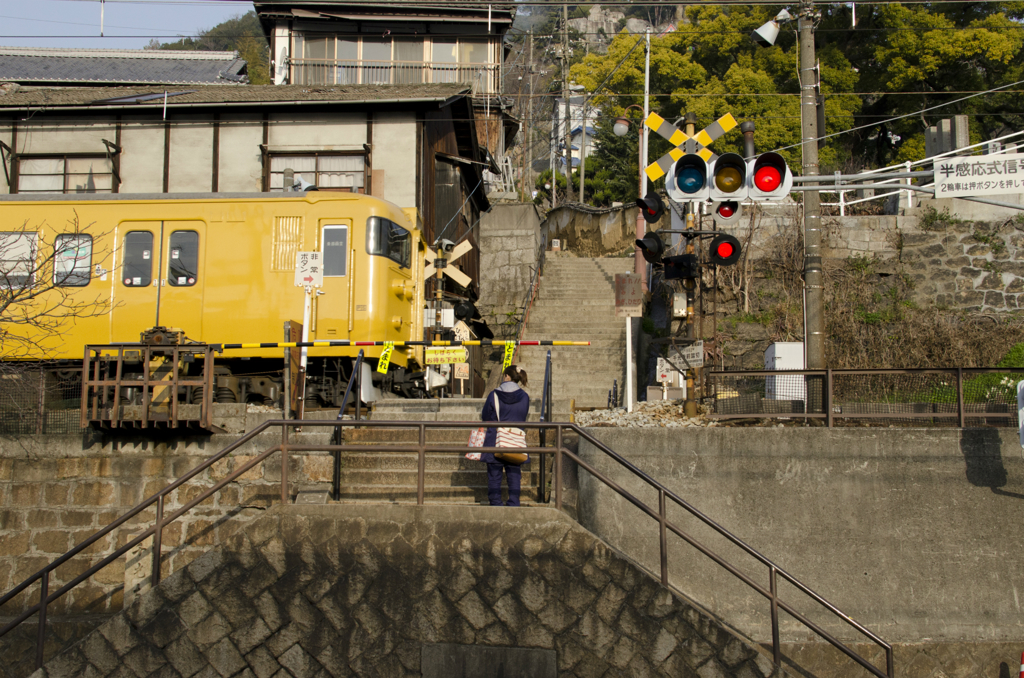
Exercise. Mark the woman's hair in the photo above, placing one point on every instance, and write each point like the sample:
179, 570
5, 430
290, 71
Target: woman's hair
516, 375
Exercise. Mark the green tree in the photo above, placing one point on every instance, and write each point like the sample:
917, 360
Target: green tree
242, 34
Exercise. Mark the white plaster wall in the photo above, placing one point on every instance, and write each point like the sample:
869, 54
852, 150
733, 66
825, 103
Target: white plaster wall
83, 137
241, 163
191, 164
394, 151
324, 132
142, 157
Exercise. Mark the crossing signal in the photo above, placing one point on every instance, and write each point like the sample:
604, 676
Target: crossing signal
728, 174
727, 212
682, 266
651, 207
687, 179
770, 178
652, 247
725, 250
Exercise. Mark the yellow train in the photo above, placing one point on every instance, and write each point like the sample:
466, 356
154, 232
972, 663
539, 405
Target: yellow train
222, 268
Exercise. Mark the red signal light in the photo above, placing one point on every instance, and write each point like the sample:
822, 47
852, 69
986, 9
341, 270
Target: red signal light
724, 250
727, 210
767, 178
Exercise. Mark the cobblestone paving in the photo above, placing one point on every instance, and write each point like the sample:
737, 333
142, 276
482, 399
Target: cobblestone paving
325, 591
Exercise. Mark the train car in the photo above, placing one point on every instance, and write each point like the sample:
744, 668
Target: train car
221, 268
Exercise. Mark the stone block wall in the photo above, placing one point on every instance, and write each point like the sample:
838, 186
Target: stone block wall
511, 247
55, 492
361, 591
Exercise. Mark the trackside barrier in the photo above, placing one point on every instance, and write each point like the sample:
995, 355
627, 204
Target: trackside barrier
769, 590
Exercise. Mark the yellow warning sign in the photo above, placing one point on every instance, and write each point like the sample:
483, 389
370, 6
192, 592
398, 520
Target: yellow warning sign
445, 356
510, 350
385, 357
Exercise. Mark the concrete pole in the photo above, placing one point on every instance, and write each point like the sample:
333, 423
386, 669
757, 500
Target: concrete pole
568, 107
690, 404
814, 308
641, 226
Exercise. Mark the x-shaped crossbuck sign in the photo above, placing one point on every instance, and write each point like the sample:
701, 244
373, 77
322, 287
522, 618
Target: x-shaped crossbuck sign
696, 144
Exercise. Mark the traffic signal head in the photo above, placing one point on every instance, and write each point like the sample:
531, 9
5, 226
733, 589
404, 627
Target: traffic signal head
682, 266
728, 176
727, 212
770, 178
725, 250
651, 207
687, 179
651, 247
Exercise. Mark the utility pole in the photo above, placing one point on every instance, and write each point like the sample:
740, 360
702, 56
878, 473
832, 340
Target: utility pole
814, 290
568, 110
690, 285
528, 151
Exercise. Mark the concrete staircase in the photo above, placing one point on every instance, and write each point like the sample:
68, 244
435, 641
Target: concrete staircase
576, 302
374, 477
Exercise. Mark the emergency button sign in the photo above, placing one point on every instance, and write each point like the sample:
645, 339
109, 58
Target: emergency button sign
309, 270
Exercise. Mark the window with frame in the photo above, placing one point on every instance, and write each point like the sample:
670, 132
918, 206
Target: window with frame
65, 174
17, 259
385, 238
183, 262
137, 270
326, 171
334, 245
72, 260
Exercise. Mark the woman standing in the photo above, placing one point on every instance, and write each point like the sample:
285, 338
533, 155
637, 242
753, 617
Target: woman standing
513, 404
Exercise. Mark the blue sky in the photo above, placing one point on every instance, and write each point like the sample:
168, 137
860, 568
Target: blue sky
76, 23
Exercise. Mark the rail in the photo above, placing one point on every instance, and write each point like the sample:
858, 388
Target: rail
942, 395
770, 590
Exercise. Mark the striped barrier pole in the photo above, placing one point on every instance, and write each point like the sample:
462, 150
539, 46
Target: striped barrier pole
397, 344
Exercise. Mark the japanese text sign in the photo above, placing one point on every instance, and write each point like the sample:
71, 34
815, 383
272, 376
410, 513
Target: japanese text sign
629, 296
979, 175
309, 270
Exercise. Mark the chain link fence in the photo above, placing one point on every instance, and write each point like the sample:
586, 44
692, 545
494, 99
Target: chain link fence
40, 398
941, 398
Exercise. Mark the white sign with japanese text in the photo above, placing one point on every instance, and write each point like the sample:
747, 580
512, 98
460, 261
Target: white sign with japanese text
629, 296
309, 270
979, 175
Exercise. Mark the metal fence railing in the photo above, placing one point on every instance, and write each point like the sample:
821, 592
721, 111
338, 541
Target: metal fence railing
36, 399
954, 397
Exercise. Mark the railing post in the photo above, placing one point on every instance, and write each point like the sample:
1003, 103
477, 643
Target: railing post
773, 586
558, 467
158, 530
961, 420
284, 464
663, 536
421, 465
44, 592
828, 398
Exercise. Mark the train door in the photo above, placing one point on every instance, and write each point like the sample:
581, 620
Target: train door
158, 278
333, 319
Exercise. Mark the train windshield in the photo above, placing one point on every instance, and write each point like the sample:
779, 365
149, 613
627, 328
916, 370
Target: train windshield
387, 239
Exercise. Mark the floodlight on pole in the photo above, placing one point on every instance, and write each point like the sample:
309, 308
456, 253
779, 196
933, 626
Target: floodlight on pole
766, 35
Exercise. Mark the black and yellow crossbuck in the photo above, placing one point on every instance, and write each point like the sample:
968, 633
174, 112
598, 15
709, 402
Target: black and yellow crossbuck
696, 144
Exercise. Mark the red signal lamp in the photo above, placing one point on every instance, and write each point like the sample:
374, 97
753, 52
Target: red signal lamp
651, 207
725, 250
767, 178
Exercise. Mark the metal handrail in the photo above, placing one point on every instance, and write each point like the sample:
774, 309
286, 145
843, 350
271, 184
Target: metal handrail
527, 307
545, 415
421, 448
336, 437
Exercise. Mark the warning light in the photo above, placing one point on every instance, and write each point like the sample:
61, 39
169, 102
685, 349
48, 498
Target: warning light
727, 212
725, 250
651, 247
728, 176
651, 207
682, 266
770, 177
687, 179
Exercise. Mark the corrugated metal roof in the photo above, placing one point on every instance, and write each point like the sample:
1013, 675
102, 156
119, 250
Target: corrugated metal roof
211, 95
120, 66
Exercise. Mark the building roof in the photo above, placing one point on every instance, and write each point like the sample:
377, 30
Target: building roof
46, 66
393, 10
126, 98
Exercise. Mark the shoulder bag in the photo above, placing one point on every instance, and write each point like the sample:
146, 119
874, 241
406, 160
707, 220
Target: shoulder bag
509, 436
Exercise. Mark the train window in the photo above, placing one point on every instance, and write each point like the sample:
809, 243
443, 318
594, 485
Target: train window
387, 239
17, 259
72, 259
335, 246
138, 259
183, 263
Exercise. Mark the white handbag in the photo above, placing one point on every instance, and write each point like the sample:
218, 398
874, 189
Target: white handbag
509, 436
